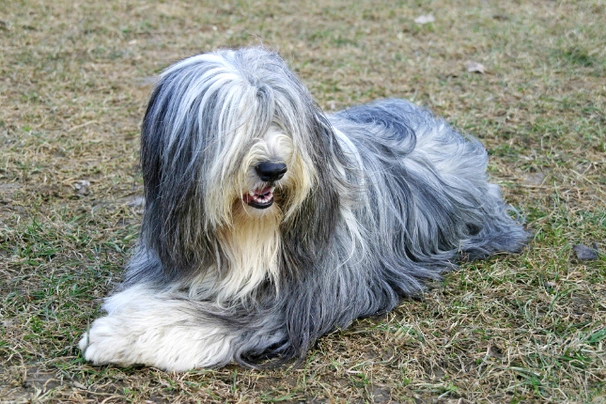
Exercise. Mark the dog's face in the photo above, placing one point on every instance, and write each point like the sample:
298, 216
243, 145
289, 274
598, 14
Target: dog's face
266, 168
271, 179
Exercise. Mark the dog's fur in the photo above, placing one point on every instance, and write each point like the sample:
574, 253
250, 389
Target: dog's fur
237, 265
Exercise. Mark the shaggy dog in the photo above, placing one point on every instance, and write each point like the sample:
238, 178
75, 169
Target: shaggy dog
268, 223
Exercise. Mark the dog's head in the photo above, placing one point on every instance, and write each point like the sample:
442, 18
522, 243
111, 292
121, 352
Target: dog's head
231, 136
229, 132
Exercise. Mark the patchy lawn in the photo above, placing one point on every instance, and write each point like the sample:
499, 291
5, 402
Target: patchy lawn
75, 77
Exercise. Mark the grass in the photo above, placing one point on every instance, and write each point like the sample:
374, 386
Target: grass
74, 81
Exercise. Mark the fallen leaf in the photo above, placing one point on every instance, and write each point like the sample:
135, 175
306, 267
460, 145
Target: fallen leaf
425, 19
475, 67
79, 386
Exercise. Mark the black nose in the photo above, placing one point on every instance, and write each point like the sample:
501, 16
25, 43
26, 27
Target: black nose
270, 171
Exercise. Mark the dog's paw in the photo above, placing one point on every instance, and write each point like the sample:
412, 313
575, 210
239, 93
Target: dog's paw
104, 344
153, 339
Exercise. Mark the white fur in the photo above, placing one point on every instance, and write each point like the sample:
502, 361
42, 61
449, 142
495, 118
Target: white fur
143, 326
252, 250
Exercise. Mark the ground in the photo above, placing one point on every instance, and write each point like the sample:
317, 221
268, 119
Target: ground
526, 78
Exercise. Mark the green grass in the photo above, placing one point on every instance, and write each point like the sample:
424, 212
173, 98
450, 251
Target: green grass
529, 328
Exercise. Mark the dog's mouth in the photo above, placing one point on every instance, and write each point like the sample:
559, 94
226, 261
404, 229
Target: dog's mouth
261, 198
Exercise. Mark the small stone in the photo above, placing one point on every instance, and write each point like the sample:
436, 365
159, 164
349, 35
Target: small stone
82, 187
585, 253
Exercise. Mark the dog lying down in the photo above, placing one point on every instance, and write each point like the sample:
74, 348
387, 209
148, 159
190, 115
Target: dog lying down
269, 223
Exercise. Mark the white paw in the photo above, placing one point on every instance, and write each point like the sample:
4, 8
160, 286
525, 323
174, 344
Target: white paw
161, 332
104, 344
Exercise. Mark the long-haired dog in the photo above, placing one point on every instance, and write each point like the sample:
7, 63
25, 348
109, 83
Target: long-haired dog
268, 223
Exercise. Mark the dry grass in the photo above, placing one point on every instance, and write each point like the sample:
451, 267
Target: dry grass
530, 328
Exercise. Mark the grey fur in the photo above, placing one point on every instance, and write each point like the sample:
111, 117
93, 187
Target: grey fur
398, 197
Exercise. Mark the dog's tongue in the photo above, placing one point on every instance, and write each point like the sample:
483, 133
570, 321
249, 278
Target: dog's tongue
260, 198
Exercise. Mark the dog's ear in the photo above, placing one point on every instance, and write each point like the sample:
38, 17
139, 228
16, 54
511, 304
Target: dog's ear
151, 143
173, 189
152, 133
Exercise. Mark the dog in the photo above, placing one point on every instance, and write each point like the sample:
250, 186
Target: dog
269, 223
